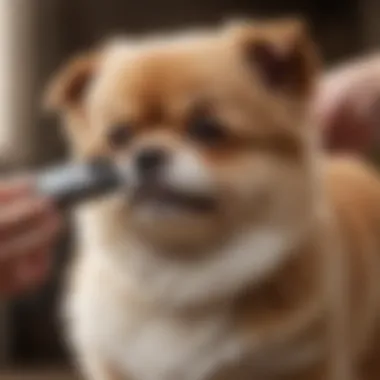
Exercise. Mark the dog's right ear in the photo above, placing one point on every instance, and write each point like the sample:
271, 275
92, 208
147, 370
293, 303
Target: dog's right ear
68, 87
281, 52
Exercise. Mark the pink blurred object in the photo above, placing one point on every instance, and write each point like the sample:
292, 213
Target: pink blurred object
347, 106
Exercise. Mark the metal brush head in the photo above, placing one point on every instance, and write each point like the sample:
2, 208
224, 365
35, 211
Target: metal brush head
70, 184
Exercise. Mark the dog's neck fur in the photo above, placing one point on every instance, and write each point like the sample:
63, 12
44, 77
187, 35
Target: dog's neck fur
245, 302
246, 261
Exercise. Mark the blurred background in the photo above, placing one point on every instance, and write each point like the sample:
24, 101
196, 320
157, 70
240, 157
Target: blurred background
36, 36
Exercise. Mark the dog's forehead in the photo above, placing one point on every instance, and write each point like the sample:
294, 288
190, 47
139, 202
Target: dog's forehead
163, 68
178, 60
183, 41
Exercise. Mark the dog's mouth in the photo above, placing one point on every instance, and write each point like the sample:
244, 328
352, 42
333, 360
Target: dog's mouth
165, 197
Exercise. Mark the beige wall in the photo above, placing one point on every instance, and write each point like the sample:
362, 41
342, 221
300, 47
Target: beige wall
17, 66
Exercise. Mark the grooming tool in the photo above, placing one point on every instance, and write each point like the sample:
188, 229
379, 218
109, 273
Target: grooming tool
71, 184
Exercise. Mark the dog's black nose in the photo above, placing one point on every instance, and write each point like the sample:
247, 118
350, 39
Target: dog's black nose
150, 160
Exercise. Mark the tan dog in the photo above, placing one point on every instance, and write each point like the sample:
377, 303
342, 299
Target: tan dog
236, 251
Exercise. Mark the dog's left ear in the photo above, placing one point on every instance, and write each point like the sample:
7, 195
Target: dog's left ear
281, 53
67, 88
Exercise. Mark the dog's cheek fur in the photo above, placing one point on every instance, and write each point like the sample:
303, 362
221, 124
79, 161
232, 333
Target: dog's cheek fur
256, 184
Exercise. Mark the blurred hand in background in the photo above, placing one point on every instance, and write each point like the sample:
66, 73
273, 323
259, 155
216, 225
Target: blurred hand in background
348, 106
29, 226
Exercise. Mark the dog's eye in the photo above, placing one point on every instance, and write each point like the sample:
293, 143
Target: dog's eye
119, 135
206, 130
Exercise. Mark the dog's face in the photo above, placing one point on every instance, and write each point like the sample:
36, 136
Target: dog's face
208, 127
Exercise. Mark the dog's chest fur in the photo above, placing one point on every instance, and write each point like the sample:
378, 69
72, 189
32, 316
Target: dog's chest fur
123, 309
150, 344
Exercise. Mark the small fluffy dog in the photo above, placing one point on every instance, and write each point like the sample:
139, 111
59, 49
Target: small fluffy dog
236, 251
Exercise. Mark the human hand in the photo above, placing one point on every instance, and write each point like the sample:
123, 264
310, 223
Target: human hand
29, 226
347, 106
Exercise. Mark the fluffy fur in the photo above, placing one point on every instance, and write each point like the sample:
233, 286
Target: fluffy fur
247, 255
